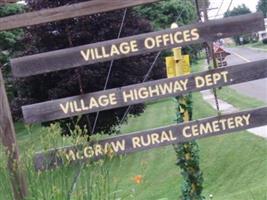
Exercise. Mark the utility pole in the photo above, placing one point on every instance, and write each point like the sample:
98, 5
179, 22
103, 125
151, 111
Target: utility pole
211, 59
8, 139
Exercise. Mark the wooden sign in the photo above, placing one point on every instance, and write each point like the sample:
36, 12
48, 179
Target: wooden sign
140, 93
66, 12
139, 141
136, 45
7, 1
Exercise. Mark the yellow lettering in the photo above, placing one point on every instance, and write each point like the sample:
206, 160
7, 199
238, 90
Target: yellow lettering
215, 126
166, 39
143, 93
225, 76
176, 37
204, 129
113, 99
98, 150
209, 80
65, 107
93, 103
103, 100
194, 129
231, 123
125, 48
155, 138
200, 82
223, 121
114, 50
149, 43
173, 138
185, 134
247, 118
86, 55
136, 142
164, 137
88, 152
70, 155
145, 143
76, 107
118, 146
184, 83
159, 40
129, 96
134, 46
187, 36
195, 34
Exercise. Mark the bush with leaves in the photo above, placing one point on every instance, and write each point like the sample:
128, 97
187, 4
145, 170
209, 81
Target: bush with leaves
164, 13
80, 31
10, 45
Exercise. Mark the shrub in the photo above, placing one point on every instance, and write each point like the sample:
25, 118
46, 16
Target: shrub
264, 41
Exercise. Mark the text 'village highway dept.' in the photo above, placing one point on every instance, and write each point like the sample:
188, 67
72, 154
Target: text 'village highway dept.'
129, 95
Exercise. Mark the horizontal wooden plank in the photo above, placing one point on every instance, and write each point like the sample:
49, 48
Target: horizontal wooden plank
136, 45
66, 12
7, 1
140, 93
144, 140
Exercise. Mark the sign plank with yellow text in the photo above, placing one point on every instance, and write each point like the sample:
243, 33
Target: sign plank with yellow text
140, 93
136, 45
66, 12
144, 140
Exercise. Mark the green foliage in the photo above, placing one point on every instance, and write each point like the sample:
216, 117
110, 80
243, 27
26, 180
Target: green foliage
233, 169
262, 6
9, 39
264, 41
11, 9
164, 13
57, 184
80, 31
9, 46
240, 10
188, 156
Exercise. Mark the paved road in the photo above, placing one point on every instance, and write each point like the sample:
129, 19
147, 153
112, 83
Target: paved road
256, 89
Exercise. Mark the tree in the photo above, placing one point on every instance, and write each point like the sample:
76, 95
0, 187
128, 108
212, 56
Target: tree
80, 31
10, 45
262, 6
240, 10
164, 13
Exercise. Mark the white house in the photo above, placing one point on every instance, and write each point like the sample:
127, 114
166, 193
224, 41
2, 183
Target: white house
263, 34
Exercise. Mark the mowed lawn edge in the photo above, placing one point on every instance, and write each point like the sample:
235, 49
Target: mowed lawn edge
234, 165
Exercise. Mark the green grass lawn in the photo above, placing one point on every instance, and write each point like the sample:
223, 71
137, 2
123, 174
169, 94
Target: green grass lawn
238, 100
258, 45
234, 165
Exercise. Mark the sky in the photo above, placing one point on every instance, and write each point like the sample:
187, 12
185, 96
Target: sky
251, 4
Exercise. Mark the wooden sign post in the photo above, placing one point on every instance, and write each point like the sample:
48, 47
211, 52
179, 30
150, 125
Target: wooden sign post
8, 138
66, 12
140, 93
135, 45
125, 96
149, 139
